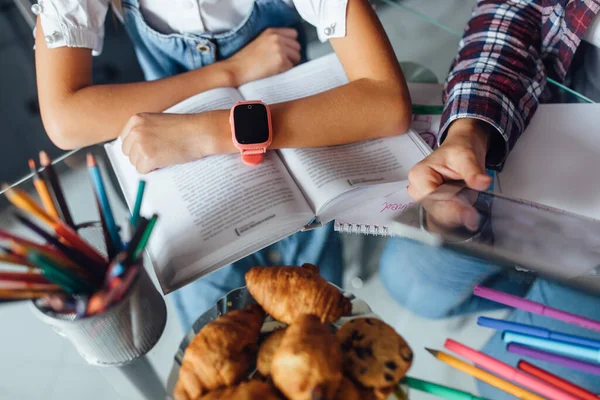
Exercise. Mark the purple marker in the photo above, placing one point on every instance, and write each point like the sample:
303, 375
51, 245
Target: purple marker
554, 358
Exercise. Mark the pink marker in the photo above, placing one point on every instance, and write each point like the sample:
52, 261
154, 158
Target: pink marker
508, 372
535, 307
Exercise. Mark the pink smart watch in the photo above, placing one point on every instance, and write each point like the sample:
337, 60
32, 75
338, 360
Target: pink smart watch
251, 130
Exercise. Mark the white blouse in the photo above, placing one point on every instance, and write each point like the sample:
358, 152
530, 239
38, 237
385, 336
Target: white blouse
80, 23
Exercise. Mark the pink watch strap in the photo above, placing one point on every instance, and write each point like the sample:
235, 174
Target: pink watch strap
253, 156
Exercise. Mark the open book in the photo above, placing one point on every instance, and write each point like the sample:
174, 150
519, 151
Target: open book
217, 210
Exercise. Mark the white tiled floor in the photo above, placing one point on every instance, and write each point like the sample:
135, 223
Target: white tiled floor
37, 363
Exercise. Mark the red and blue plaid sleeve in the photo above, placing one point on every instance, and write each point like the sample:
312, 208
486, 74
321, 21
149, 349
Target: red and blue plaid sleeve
498, 74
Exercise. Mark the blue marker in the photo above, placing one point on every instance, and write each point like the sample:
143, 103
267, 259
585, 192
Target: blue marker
591, 354
501, 325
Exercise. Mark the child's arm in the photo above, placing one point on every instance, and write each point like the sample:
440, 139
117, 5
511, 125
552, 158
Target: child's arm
375, 103
77, 113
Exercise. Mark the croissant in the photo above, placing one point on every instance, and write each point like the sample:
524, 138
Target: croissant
267, 350
349, 391
251, 390
220, 354
286, 293
308, 363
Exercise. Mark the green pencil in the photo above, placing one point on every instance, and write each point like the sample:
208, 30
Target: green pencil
421, 109
439, 390
145, 237
57, 274
135, 215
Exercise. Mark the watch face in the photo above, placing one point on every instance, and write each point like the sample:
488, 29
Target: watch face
251, 123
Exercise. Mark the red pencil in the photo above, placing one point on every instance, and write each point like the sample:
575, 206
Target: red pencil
23, 277
508, 372
556, 381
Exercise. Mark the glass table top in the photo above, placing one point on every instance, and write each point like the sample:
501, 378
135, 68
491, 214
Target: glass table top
425, 301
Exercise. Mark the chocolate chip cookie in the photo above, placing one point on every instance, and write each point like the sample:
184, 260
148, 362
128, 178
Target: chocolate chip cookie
374, 354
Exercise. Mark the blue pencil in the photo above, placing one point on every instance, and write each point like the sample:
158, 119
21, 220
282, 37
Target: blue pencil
532, 330
590, 354
104, 204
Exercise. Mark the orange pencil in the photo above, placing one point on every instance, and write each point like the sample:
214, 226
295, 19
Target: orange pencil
485, 376
16, 260
21, 294
42, 190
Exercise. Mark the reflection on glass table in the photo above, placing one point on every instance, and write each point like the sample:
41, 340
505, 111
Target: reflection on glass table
510, 232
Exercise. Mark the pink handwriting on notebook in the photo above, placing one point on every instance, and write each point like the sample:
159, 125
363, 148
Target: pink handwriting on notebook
395, 206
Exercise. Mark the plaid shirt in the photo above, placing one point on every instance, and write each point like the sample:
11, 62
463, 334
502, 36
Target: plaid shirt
507, 50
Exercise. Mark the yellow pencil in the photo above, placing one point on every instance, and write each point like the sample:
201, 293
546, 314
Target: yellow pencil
42, 189
485, 376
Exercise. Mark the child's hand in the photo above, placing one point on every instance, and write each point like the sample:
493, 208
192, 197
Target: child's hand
460, 157
157, 140
274, 51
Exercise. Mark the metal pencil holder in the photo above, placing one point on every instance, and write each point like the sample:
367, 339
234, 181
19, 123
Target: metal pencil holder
122, 333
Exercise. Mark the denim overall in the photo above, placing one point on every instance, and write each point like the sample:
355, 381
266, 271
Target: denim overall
161, 55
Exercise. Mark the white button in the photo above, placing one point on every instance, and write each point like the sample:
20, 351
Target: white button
274, 256
49, 39
37, 8
188, 5
329, 30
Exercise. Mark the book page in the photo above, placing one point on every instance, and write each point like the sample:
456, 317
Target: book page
325, 174
212, 211
305, 80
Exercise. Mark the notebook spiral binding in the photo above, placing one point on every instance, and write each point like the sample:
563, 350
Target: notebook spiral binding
362, 229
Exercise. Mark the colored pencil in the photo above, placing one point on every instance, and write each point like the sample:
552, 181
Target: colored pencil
135, 215
54, 273
556, 381
32, 277
145, 238
42, 190
21, 249
136, 239
55, 189
77, 257
485, 376
110, 247
19, 245
590, 354
16, 260
590, 368
102, 300
15, 285
535, 307
77, 242
98, 184
536, 331
23, 201
21, 294
506, 371
444, 392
